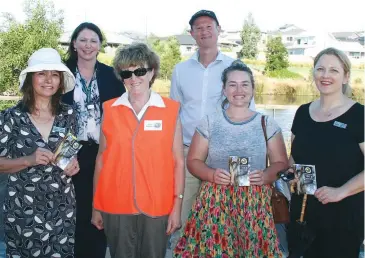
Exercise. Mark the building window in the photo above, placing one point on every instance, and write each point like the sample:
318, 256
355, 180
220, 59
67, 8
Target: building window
289, 38
188, 49
298, 41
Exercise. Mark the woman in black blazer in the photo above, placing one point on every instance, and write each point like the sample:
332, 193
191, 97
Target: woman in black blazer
95, 83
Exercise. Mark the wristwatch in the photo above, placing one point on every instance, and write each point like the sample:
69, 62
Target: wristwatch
180, 196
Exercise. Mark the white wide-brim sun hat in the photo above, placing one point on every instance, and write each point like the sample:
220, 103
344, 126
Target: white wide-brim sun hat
48, 59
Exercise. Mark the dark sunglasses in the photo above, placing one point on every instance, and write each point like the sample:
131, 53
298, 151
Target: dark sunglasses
125, 74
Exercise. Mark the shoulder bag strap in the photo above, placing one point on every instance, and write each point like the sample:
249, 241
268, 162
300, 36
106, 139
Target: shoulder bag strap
265, 135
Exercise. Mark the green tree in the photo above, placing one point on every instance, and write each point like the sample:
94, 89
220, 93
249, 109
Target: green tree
169, 53
276, 55
104, 43
250, 36
42, 28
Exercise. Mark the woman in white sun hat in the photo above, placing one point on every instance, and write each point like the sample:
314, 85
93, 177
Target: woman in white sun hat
39, 207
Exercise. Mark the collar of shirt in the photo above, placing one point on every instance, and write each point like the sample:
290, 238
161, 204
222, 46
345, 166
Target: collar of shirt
154, 100
195, 56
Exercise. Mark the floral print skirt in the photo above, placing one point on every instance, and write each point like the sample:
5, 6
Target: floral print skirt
230, 221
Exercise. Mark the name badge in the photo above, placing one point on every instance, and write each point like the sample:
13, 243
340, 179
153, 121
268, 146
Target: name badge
90, 107
340, 125
153, 125
57, 129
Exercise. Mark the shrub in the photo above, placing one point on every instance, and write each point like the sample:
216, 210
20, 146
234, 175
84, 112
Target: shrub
357, 93
253, 61
106, 59
259, 88
4, 104
283, 74
358, 80
276, 55
284, 89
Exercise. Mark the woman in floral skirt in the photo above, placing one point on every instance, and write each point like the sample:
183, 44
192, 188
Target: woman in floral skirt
228, 220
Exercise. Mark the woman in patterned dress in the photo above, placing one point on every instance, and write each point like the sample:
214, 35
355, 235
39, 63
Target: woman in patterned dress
228, 220
40, 206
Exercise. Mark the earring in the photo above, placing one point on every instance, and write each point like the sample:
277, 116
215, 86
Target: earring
75, 49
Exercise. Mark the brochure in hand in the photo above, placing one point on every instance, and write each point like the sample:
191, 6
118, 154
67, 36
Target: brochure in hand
66, 150
239, 168
307, 183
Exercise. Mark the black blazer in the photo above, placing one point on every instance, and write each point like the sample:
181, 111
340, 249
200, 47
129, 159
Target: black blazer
109, 86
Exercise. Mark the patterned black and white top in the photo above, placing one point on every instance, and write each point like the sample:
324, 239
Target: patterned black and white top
87, 107
40, 206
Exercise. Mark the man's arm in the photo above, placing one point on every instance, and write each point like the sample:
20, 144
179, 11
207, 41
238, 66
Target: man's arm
175, 92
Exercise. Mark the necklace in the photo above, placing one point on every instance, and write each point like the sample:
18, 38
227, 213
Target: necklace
38, 122
330, 112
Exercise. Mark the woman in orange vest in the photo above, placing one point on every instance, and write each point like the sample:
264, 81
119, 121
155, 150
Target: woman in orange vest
139, 173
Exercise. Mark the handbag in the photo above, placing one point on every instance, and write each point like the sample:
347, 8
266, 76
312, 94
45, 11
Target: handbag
279, 203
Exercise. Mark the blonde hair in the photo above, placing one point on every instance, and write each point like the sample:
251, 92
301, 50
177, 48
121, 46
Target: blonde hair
345, 62
137, 54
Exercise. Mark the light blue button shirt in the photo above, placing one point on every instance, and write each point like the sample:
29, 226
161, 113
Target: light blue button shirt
199, 90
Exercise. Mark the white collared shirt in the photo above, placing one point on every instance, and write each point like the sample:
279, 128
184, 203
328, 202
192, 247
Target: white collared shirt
199, 90
154, 100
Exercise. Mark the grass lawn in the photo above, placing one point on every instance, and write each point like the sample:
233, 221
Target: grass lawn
304, 71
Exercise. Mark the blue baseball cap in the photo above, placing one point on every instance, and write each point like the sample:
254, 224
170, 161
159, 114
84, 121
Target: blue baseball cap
201, 13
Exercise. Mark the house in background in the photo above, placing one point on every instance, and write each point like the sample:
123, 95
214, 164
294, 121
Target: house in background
188, 45
349, 36
304, 45
352, 43
309, 44
288, 32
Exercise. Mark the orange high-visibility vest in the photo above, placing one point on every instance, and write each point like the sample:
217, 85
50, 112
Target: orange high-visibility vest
137, 175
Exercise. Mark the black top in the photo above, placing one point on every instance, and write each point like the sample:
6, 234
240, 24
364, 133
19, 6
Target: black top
109, 86
333, 147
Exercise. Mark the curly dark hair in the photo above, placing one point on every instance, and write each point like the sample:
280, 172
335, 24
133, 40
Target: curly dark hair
28, 100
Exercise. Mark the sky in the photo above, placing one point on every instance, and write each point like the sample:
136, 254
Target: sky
169, 17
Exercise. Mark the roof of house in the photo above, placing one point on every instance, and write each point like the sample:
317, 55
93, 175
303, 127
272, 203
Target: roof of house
117, 38
183, 39
350, 46
287, 29
111, 37
345, 34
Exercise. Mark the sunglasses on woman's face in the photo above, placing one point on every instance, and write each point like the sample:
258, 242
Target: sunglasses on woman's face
125, 74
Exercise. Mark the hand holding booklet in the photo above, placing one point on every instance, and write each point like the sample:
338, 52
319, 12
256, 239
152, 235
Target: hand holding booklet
66, 150
307, 182
239, 168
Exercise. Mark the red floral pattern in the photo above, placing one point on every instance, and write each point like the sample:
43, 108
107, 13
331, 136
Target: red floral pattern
229, 221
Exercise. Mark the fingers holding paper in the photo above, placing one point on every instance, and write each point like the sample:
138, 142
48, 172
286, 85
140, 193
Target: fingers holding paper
257, 177
72, 168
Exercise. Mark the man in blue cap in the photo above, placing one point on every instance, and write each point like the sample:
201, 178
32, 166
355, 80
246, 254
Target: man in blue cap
196, 84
